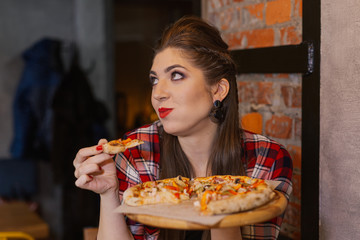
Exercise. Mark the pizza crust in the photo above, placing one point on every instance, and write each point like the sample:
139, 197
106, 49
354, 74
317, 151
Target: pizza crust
159, 197
119, 146
113, 148
240, 203
171, 190
214, 195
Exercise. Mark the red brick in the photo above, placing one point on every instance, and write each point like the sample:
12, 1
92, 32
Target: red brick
233, 40
253, 39
296, 235
226, 18
286, 95
265, 93
292, 214
291, 96
279, 127
256, 10
277, 75
278, 11
256, 92
295, 153
298, 8
215, 4
289, 35
246, 92
297, 97
296, 193
260, 38
252, 122
227, 2
241, 89
297, 129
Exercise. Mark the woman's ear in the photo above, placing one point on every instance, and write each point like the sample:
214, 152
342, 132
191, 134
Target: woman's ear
221, 89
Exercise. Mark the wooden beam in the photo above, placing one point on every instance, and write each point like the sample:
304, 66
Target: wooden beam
282, 59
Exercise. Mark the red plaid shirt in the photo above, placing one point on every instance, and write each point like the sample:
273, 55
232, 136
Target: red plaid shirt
266, 160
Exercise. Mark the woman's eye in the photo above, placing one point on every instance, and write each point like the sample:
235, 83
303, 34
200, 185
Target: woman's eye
177, 76
153, 80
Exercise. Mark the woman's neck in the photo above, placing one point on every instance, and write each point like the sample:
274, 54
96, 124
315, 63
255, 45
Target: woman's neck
197, 148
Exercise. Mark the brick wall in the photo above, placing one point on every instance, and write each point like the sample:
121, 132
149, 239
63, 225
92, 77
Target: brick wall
269, 104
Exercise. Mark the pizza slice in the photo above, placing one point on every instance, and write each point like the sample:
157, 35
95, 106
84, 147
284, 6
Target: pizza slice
119, 145
229, 194
170, 190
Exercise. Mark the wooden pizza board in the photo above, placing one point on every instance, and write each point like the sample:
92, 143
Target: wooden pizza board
261, 214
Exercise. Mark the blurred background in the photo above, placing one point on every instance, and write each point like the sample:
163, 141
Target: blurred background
71, 72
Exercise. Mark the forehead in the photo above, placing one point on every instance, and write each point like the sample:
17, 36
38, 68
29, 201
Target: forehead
170, 56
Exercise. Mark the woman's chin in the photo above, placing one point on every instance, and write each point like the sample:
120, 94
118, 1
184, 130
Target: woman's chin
171, 129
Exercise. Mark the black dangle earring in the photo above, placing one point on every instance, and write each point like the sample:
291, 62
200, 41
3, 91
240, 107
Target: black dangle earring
217, 104
217, 114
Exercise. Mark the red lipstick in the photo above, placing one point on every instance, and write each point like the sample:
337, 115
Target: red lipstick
163, 112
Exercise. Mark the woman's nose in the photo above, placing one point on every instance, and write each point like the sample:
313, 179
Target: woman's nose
160, 91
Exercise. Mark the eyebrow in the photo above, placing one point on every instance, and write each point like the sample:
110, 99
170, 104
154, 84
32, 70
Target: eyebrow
168, 69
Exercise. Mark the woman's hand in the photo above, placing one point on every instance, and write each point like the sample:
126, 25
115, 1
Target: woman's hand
95, 170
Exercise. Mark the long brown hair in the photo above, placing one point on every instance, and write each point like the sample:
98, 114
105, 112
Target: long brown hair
202, 44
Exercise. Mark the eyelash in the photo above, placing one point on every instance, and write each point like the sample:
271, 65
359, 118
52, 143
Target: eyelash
173, 74
153, 79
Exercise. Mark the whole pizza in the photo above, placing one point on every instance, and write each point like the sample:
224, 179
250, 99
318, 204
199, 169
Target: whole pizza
211, 195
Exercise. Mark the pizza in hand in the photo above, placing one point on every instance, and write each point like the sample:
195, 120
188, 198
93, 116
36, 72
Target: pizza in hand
118, 146
212, 195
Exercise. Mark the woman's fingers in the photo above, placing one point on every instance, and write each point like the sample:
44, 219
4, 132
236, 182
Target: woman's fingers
84, 153
83, 180
102, 141
94, 169
87, 169
92, 164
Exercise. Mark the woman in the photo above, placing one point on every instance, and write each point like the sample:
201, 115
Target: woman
194, 94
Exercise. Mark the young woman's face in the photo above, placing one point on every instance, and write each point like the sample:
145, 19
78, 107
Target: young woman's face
180, 95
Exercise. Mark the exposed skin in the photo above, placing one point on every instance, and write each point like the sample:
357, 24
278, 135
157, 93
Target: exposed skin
96, 171
181, 88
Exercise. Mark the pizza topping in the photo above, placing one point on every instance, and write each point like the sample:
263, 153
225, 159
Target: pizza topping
179, 181
214, 195
205, 199
126, 141
119, 145
115, 143
172, 188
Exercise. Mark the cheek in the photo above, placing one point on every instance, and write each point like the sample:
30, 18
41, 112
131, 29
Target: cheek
198, 101
153, 102
195, 94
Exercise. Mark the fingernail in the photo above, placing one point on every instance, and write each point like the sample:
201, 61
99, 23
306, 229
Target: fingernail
98, 148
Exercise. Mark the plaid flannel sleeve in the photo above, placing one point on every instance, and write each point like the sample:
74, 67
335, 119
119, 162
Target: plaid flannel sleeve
137, 165
271, 161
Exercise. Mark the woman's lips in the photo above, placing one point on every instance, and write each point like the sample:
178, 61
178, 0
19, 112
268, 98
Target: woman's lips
163, 112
